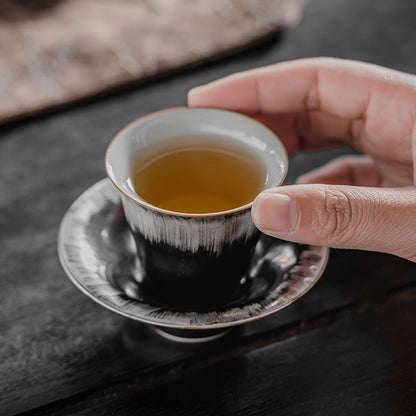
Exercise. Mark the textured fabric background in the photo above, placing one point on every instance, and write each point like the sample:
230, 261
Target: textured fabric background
53, 52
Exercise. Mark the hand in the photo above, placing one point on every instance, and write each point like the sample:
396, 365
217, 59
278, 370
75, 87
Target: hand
363, 202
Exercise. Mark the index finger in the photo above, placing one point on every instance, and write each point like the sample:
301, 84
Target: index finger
340, 88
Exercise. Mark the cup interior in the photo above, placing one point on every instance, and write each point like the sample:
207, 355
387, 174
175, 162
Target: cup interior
155, 128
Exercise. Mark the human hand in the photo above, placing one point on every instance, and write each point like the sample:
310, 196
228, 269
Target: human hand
362, 202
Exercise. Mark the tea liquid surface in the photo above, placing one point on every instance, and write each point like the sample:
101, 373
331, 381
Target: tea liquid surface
197, 174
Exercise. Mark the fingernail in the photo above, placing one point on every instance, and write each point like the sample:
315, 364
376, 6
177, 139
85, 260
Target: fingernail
193, 91
300, 179
275, 212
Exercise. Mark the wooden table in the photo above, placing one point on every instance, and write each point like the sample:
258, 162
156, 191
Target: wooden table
348, 347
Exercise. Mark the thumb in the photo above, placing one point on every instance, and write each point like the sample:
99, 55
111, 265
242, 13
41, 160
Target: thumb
377, 219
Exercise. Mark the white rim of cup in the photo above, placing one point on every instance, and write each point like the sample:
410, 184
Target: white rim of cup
148, 205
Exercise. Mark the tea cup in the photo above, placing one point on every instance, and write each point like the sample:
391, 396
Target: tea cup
192, 260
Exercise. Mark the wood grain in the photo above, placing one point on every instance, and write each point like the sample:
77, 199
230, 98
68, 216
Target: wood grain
366, 366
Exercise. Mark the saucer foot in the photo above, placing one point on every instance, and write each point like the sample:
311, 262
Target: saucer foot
190, 336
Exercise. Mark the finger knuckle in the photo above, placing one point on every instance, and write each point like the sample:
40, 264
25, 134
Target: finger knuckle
335, 220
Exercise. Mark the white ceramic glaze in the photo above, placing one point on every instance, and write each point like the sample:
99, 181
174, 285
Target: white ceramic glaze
162, 125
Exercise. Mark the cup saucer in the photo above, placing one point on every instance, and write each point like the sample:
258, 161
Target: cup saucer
98, 254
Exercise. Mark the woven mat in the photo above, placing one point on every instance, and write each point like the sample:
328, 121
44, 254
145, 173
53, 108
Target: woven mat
55, 52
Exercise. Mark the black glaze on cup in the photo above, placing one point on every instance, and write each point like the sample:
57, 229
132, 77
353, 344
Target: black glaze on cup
192, 261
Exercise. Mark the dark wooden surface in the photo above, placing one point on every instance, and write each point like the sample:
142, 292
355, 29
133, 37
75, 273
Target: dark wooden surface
347, 347
366, 366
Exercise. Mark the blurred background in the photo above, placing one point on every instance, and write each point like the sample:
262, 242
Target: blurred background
55, 52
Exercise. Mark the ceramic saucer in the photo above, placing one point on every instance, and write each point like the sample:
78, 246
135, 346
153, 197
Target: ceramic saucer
99, 256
